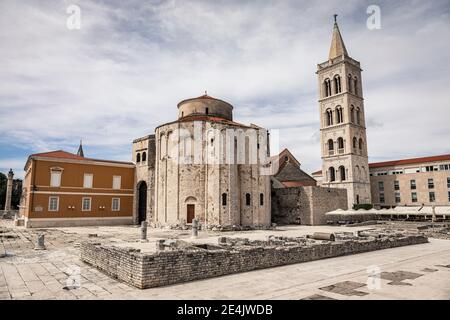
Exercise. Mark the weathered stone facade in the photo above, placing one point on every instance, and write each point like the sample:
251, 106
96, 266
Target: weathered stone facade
206, 261
211, 168
306, 205
144, 151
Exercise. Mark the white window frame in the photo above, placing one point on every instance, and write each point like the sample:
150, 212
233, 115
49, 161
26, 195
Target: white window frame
84, 181
114, 186
50, 201
52, 182
82, 204
118, 204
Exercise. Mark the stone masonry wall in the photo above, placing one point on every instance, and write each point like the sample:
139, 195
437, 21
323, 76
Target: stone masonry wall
169, 267
306, 205
325, 200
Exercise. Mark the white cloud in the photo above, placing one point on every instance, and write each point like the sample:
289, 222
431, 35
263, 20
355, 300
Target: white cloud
123, 73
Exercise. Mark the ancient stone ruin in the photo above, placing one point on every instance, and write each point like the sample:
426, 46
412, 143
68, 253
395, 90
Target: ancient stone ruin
176, 261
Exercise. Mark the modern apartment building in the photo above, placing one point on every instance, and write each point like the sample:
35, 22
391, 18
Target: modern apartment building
411, 182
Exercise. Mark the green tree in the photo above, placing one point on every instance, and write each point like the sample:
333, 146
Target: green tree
16, 193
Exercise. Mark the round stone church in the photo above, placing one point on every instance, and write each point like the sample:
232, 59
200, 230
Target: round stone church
204, 165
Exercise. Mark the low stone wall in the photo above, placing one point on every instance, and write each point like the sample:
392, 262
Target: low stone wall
206, 261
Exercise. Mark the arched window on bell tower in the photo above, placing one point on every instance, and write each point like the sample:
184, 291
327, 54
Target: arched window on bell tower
349, 83
330, 147
329, 115
342, 173
340, 141
327, 87
332, 174
352, 113
339, 114
337, 84
358, 116
355, 85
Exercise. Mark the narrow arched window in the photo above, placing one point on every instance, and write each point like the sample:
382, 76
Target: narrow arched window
355, 143
144, 156
332, 174
138, 158
247, 199
352, 114
337, 84
329, 117
339, 114
361, 145
207, 111
340, 143
261, 199
327, 87
358, 116
355, 85
224, 199
342, 173
330, 145
349, 83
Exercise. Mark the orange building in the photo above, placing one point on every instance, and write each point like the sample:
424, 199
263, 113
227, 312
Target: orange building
66, 189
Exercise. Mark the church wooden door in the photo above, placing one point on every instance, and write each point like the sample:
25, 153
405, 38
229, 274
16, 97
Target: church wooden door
190, 213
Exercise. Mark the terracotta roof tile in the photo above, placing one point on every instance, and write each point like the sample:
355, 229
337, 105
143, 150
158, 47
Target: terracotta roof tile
391, 163
58, 154
409, 161
61, 154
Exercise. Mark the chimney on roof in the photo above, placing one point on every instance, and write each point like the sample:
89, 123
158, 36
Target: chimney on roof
80, 149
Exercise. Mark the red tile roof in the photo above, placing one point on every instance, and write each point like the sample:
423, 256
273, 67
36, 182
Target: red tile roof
61, 154
409, 161
58, 154
205, 96
391, 163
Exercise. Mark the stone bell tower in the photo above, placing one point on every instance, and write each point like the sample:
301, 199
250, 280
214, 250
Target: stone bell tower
342, 129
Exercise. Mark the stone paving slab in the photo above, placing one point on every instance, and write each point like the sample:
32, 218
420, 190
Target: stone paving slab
29, 274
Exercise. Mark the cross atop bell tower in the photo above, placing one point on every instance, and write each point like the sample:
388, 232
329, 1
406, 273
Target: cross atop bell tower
342, 129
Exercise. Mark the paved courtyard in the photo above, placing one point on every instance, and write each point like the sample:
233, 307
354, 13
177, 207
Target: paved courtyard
412, 272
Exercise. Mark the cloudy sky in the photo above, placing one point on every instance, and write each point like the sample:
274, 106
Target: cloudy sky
123, 72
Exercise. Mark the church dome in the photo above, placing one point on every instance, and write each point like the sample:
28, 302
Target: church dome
205, 105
